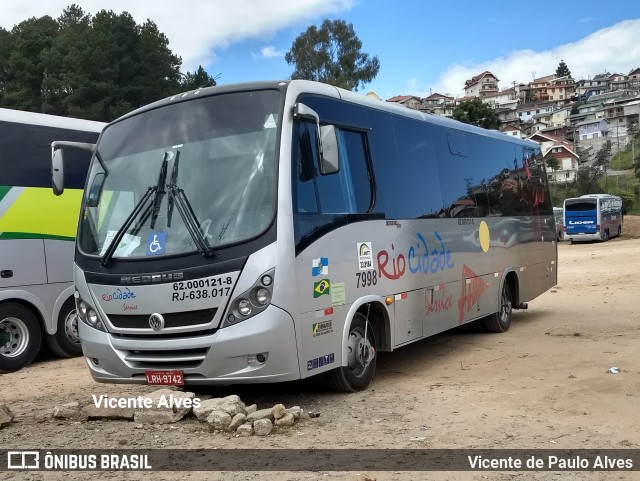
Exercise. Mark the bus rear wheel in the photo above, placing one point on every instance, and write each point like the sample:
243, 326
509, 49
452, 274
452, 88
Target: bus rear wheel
66, 341
20, 337
361, 349
500, 321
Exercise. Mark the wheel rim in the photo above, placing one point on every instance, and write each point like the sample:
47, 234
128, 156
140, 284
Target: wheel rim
505, 308
71, 327
361, 352
14, 337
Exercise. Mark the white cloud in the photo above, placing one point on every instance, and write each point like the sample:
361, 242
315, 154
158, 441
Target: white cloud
268, 52
196, 29
614, 49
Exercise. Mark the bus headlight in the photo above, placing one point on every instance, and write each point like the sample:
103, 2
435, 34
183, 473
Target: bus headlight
251, 302
88, 314
244, 306
263, 296
92, 318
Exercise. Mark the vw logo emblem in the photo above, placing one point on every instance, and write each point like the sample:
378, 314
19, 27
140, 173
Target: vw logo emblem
156, 321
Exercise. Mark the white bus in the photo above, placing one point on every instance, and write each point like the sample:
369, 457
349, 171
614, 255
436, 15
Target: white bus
37, 232
272, 231
593, 217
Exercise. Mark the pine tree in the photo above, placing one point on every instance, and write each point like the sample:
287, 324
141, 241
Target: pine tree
563, 70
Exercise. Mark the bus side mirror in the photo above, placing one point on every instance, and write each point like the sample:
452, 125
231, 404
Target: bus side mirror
330, 159
57, 172
57, 161
327, 139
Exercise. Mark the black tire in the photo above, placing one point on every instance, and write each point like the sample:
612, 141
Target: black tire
362, 359
66, 342
20, 337
500, 321
606, 235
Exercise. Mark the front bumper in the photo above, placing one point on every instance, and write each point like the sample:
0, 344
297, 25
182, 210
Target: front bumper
229, 354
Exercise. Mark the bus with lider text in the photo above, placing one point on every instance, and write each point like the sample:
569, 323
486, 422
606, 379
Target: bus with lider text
593, 217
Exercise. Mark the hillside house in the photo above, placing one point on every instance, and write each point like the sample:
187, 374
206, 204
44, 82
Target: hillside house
538, 88
526, 112
481, 84
512, 131
503, 99
410, 101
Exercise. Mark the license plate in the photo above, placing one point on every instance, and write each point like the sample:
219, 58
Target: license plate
165, 378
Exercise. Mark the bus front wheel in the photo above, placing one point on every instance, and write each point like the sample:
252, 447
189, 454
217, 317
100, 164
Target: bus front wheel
500, 321
20, 337
66, 341
361, 349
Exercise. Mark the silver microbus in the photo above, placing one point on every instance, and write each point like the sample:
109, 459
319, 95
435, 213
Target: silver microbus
273, 231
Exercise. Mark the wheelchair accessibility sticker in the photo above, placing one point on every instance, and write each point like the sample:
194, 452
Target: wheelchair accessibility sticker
156, 243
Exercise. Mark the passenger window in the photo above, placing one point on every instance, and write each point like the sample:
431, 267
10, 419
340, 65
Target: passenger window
348, 191
409, 181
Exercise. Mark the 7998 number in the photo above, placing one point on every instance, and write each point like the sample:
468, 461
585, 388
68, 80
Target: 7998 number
366, 278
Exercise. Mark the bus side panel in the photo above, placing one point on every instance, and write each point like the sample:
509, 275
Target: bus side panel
23, 262
320, 334
59, 256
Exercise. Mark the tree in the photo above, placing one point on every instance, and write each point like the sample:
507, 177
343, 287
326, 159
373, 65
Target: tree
476, 112
563, 70
96, 67
199, 79
6, 44
603, 157
25, 70
62, 62
331, 54
553, 163
587, 175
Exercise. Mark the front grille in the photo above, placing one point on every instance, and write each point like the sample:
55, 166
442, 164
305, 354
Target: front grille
172, 359
173, 319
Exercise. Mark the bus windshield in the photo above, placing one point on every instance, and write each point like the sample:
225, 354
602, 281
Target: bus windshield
176, 178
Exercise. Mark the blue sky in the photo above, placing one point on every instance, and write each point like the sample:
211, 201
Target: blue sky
423, 46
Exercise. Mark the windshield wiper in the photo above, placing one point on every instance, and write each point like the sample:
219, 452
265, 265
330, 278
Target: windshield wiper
174, 178
157, 200
155, 206
178, 198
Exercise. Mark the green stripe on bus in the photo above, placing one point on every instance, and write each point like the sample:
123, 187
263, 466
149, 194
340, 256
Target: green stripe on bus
28, 235
4, 189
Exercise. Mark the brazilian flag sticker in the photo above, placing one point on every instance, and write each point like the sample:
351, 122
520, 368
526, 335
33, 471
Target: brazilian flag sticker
321, 288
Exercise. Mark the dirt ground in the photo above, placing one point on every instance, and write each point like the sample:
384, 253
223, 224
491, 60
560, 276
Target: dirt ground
543, 384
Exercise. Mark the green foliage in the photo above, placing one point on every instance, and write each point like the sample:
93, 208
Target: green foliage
199, 79
331, 54
603, 156
587, 180
96, 67
624, 186
553, 163
25, 72
563, 70
476, 112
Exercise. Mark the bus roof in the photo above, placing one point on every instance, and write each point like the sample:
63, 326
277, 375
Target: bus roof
307, 86
45, 120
